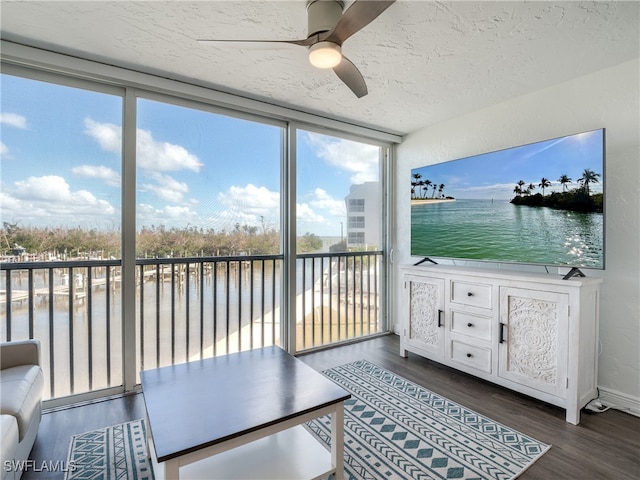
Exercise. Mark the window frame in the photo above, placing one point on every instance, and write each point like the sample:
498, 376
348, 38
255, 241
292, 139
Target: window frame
36, 64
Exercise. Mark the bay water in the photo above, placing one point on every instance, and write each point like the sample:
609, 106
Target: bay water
496, 230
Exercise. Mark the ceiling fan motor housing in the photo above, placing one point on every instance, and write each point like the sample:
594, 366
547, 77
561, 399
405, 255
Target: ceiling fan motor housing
322, 15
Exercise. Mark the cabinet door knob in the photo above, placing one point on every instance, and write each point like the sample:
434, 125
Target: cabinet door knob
469, 324
469, 294
469, 355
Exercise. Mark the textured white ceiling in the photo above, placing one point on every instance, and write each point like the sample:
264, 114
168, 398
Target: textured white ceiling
423, 61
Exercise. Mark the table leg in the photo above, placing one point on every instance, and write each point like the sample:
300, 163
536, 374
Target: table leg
337, 441
171, 470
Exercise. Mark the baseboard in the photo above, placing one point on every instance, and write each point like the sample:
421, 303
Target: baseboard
620, 401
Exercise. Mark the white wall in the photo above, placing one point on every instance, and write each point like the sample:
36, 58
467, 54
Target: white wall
609, 98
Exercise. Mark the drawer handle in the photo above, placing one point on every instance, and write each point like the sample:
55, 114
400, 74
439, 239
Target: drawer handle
440, 312
469, 355
502, 325
469, 294
469, 324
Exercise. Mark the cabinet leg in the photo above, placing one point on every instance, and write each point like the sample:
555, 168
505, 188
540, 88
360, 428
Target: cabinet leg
573, 415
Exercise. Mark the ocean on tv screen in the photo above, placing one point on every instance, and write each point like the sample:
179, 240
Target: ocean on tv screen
541, 203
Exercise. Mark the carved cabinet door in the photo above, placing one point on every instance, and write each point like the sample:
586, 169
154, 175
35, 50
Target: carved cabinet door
534, 339
425, 303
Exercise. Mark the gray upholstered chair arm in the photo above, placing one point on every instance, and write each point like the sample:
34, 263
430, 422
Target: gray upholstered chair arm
21, 352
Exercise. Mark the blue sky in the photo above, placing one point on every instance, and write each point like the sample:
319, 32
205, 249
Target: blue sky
495, 174
61, 164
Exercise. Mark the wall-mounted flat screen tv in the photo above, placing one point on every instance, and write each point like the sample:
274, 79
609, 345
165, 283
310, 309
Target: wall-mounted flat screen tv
541, 203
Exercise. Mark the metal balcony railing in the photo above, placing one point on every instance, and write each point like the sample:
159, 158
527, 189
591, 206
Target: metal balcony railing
338, 297
186, 309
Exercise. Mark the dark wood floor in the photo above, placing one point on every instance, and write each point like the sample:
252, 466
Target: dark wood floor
603, 446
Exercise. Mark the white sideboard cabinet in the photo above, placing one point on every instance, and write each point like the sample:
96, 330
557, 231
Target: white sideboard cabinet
533, 333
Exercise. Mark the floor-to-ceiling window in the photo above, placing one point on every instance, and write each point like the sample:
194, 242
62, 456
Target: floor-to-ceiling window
340, 232
60, 210
141, 230
208, 204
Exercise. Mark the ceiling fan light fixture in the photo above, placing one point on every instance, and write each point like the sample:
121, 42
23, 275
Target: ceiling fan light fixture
325, 54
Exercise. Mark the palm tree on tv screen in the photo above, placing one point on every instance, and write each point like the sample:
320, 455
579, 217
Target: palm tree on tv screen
588, 176
426, 186
564, 179
415, 183
544, 183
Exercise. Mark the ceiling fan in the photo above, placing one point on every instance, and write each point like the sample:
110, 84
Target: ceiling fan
328, 28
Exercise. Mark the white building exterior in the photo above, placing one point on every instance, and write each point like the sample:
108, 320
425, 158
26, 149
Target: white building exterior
363, 215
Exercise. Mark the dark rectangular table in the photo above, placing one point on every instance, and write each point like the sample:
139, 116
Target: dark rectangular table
253, 402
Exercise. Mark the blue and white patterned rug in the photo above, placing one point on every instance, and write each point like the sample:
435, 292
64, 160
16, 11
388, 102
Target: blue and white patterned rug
395, 429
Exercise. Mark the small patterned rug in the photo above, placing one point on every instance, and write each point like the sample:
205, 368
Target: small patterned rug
118, 452
395, 429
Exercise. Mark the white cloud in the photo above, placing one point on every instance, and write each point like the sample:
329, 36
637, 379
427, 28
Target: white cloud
174, 212
152, 154
167, 188
228, 219
9, 204
164, 156
247, 204
306, 214
50, 199
108, 135
108, 175
166, 195
239, 205
322, 200
48, 188
360, 159
13, 120
320, 208
170, 216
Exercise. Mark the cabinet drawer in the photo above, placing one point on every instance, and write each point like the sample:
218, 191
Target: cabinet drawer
472, 294
472, 356
473, 325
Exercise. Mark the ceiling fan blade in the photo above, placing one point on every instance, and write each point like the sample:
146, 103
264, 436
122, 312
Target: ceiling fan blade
357, 16
303, 43
351, 76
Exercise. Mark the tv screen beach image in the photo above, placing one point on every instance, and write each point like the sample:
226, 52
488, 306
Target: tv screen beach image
541, 203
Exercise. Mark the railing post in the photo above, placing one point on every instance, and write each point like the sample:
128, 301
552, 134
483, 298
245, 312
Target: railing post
8, 300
